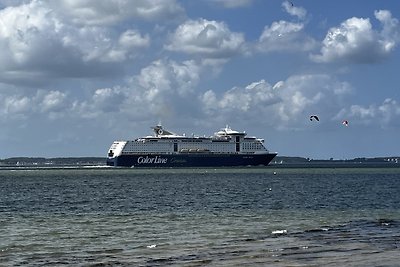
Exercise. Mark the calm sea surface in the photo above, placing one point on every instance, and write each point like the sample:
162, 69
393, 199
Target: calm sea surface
200, 217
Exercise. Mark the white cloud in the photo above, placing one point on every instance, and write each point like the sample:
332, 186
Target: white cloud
383, 115
53, 101
110, 12
240, 99
159, 90
38, 43
155, 79
108, 99
42, 103
15, 105
21, 30
390, 32
165, 86
125, 48
356, 41
186, 76
103, 101
293, 10
207, 38
133, 38
285, 36
234, 3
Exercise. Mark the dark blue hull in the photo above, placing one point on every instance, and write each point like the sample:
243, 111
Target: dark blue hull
191, 160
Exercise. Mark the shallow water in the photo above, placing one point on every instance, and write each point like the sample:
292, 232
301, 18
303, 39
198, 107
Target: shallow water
200, 217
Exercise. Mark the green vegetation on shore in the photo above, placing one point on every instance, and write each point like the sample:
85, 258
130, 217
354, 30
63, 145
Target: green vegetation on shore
39, 161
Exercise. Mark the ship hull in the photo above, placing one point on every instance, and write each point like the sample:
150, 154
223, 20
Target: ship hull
190, 160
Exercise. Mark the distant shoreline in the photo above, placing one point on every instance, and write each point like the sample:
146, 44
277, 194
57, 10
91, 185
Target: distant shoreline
337, 165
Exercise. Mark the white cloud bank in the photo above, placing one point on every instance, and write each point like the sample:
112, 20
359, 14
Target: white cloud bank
356, 41
287, 104
43, 40
166, 88
111, 12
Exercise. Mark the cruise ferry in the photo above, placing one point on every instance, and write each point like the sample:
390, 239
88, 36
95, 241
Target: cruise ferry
167, 149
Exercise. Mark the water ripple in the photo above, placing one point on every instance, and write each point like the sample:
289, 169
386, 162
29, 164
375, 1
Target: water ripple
199, 218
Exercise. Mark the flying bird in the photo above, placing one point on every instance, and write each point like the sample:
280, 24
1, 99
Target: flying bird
312, 117
345, 123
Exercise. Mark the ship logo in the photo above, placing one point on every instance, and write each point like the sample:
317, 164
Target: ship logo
152, 160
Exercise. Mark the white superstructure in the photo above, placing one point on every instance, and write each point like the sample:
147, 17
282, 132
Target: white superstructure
225, 141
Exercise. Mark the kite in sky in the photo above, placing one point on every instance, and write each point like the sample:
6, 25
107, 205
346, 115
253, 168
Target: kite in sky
345, 123
312, 117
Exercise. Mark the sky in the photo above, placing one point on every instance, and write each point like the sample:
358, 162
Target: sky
76, 75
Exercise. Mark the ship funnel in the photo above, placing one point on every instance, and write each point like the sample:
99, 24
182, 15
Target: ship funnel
160, 131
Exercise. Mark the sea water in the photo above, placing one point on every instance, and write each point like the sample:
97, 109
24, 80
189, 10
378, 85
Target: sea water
200, 217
